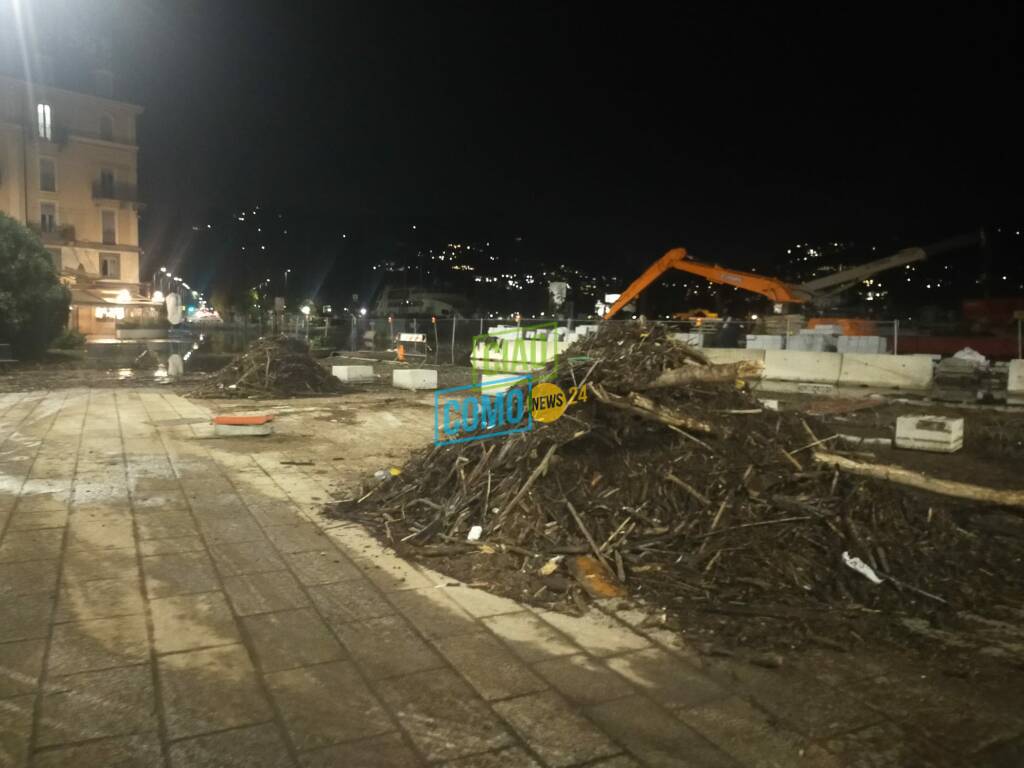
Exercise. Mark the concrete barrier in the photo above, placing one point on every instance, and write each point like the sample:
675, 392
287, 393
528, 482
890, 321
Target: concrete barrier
802, 367
496, 383
414, 378
1015, 380
353, 372
1015, 383
888, 371
718, 356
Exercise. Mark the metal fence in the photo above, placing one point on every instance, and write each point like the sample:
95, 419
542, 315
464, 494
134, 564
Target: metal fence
451, 340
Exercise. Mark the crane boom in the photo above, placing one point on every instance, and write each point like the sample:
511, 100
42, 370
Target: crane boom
775, 289
778, 290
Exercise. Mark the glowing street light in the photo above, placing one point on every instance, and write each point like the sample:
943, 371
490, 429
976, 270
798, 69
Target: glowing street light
305, 310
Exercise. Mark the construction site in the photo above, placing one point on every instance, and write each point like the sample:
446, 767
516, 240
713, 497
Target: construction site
670, 554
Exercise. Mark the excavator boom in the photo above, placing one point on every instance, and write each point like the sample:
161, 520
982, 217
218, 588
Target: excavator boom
772, 287
779, 291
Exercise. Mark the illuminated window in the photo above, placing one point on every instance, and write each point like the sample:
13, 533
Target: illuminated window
110, 313
109, 219
45, 125
110, 266
47, 217
47, 175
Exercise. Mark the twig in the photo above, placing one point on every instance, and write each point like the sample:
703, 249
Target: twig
688, 488
586, 533
753, 525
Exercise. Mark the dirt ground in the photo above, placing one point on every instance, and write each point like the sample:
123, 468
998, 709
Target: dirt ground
993, 437
975, 707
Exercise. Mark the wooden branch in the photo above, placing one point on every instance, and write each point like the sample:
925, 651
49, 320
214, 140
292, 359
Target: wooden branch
646, 408
677, 377
923, 482
688, 488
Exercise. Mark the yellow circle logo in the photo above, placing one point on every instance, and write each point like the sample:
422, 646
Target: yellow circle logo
547, 402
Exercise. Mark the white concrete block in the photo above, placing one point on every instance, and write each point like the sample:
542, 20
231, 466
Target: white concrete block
414, 378
496, 383
353, 372
861, 344
890, 371
1015, 378
801, 366
810, 342
734, 355
765, 341
584, 330
930, 433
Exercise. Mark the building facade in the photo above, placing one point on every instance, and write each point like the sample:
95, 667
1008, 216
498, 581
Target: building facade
69, 170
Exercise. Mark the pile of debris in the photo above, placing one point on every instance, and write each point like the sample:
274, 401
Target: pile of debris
672, 483
271, 367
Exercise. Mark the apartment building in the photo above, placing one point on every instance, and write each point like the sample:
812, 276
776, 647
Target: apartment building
69, 170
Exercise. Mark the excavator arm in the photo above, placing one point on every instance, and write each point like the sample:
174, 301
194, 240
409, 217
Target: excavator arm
773, 288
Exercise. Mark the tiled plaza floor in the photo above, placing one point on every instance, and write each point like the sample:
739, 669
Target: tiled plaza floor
167, 600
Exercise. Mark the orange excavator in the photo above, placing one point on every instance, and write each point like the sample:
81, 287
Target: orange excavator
820, 291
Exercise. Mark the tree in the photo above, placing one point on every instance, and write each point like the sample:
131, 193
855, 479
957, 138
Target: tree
33, 303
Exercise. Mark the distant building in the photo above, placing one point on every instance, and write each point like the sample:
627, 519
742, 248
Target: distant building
69, 170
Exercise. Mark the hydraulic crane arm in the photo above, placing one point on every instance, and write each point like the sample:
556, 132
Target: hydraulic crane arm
773, 288
779, 291
840, 281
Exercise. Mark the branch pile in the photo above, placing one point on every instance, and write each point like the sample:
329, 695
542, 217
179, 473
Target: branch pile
692, 496
271, 367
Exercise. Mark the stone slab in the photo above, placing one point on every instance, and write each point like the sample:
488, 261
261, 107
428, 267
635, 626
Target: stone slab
414, 378
888, 371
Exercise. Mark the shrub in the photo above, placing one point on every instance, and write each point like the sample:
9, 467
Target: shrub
33, 303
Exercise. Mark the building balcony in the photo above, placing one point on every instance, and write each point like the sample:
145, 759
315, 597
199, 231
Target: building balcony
64, 233
120, 191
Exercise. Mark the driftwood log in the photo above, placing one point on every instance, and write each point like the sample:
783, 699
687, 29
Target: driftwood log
691, 374
923, 482
646, 408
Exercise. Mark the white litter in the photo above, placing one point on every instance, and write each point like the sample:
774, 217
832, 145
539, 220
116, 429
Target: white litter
475, 533
861, 567
551, 565
971, 355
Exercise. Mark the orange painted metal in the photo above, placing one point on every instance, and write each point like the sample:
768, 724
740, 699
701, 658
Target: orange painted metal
242, 420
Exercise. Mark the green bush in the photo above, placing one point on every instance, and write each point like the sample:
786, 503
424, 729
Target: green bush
33, 303
69, 339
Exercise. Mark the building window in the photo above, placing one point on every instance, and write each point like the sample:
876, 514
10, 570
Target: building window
47, 175
45, 124
106, 184
110, 266
48, 217
110, 313
109, 227
55, 258
107, 128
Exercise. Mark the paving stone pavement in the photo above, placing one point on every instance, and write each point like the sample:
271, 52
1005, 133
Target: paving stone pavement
171, 600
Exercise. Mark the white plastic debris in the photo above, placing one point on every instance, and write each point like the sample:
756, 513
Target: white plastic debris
861, 567
551, 565
971, 355
475, 533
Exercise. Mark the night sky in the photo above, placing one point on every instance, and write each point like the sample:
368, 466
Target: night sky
600, 136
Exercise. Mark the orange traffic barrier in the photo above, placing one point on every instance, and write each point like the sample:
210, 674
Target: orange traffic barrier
241, 420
